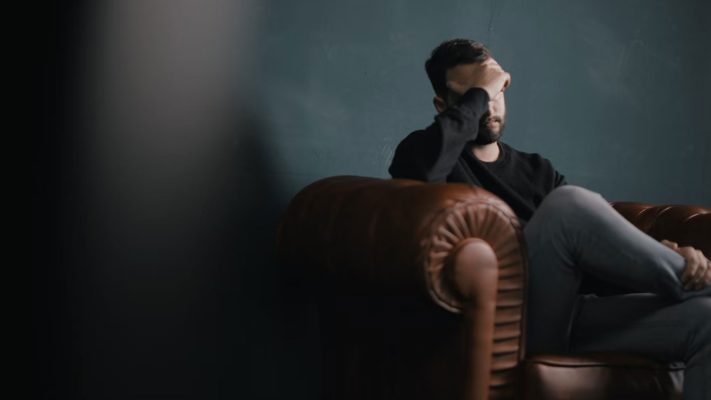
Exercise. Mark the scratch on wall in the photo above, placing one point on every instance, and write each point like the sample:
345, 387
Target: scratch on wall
490, 28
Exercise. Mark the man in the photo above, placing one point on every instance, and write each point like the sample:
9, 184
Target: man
569, 231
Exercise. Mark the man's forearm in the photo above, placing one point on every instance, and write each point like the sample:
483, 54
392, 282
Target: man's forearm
431, 154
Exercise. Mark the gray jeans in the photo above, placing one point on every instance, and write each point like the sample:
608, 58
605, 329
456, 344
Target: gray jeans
575, 231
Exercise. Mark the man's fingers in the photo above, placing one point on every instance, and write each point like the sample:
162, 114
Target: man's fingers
670, 244
688, 268
691, 269
690, 281
697, 272
688, 275
694, 275
705, 275
700, 282
704, 271
490, 61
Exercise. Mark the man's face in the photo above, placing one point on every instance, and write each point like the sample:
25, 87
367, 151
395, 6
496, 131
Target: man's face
492, 123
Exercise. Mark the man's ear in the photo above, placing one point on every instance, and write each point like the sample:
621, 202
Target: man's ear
439, 104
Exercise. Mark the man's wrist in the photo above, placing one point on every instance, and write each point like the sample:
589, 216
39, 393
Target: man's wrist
475, 100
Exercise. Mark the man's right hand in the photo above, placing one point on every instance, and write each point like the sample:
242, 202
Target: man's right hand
487, 75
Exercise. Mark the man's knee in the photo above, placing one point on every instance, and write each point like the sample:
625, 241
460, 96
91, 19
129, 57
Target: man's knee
568, 200
571, 194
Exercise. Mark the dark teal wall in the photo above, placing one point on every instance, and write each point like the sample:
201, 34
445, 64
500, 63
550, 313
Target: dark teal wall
171, 135
613, 92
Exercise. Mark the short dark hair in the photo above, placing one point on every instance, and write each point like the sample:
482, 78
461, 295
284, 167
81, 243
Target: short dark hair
449, 54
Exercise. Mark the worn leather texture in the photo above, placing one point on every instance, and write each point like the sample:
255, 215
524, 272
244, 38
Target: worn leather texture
600, 376
421, 289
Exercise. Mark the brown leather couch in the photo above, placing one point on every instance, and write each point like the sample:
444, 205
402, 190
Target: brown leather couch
421, 289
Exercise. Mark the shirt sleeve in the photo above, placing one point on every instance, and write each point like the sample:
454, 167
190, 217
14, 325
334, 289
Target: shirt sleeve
550, 177
431, 154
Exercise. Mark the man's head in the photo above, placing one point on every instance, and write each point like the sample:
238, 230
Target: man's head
450, 65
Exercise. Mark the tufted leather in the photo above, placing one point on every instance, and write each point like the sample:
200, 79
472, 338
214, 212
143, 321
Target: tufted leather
684, 224
420, 289
394, 235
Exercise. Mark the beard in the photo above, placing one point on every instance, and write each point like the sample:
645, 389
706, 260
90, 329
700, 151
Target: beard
488, 134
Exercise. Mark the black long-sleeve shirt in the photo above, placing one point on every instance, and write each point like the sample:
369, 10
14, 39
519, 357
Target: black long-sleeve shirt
443, 153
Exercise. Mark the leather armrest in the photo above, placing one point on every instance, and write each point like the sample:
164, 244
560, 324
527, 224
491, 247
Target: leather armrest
455, 244
399, 235
685, 224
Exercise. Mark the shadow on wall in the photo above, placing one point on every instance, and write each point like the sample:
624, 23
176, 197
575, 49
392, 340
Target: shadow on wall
266, 323
154, 221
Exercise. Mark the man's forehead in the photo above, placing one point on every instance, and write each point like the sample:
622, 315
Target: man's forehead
468, 67
462, 70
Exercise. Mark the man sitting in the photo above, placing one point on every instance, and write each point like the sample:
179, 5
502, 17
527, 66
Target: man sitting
570, 231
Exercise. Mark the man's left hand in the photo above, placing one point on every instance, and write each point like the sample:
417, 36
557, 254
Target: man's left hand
697, 272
